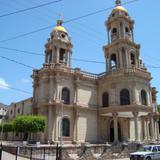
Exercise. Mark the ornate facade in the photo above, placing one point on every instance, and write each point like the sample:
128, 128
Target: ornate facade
114, 106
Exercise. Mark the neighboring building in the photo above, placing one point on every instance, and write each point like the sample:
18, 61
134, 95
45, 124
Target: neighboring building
3, 112
20, 108
114, 106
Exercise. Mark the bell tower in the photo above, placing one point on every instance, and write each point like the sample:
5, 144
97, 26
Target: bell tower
121, 51
58, 49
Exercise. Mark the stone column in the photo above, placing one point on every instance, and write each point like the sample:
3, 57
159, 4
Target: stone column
35, 91
152, 127
70, 59
157, 128
134, 98
50, 123
108, 37
135, 114
147, 129
75, 130
56, 125
132, 35
51, 87
76, 84
57, 57
115, 122
107, 65
57, 94
46, 57
120, 59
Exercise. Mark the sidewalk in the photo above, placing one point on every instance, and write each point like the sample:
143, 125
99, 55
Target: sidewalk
8, 156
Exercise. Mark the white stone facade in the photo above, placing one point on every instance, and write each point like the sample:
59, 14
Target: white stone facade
114, 106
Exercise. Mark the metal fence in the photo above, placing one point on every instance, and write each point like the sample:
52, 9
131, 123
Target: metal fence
33, 153
56, 152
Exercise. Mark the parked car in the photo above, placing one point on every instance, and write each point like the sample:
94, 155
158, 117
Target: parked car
150, 152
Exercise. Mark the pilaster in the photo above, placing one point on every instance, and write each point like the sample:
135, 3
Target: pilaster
115, 122
135, 114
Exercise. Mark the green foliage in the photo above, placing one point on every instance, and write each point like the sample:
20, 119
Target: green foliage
7, 127
158, 107
29, 124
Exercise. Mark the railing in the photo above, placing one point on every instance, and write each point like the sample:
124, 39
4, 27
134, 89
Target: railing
130, 69
70, 152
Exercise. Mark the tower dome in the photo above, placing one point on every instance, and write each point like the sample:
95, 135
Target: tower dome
118, 7
59, 27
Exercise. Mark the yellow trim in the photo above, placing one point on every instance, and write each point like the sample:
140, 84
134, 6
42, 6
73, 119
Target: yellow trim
60, 28
120, 8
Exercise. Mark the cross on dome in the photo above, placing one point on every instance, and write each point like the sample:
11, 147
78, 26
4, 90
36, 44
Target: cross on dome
60, 20
118, 2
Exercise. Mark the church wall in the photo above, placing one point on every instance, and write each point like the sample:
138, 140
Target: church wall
146, 87
103, 126
27, 109
87, 95
43, 91
124, 128
113, 88
67, 113
11, 111
87, 127
132, 133
66, 82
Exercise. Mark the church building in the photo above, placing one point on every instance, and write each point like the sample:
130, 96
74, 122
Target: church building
118, 105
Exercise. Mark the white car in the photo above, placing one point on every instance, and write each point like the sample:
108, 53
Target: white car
150, 152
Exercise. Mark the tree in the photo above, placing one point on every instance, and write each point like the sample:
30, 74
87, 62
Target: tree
6, 127
29, 124
158, 108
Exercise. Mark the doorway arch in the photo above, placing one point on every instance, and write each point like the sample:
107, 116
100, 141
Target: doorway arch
111, 136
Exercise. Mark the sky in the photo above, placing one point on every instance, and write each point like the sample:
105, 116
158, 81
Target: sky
88, 37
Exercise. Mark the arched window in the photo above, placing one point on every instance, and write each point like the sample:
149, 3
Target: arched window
143, 97
62, 53
132, 59
50, 58
105, 99
124, 97
66, 96
65, 127
113, 61
114, 30
127, 30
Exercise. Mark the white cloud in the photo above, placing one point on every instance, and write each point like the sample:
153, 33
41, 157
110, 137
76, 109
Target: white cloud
26, 80
3, 84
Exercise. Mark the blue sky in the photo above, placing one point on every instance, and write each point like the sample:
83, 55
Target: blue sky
88, 36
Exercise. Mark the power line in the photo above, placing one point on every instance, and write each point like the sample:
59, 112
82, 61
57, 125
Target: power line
68, 21
88, 61
21, 51
26, 34
16, 89
14, 61
38, 54
27, 9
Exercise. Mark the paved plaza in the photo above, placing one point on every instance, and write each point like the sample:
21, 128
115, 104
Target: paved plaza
7, 156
